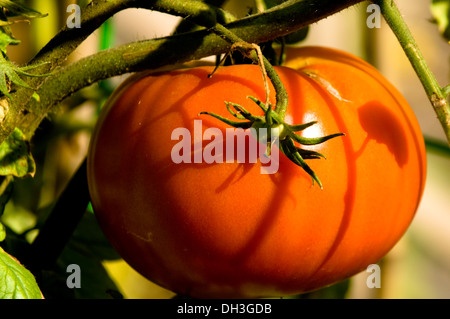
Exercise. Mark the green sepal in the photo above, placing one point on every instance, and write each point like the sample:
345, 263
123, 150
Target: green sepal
236, 115
314, 140
301, 127
287, 137
308, 154
259, 103
243, 125
247, 115
292, 153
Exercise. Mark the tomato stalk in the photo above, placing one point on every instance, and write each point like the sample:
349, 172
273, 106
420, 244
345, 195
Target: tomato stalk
436, 94
273, 119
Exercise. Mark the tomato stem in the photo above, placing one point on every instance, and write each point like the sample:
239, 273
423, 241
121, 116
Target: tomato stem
281, 95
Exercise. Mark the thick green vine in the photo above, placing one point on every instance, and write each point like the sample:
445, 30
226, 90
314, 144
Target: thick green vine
149, 54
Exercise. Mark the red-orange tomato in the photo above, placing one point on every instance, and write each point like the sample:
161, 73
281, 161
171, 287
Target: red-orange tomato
226, 229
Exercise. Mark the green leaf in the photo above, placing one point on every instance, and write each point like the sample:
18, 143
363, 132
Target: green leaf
16, 282
13, 9
8, 70
87, 248
13, 12
15, 156
11, 71
440, 9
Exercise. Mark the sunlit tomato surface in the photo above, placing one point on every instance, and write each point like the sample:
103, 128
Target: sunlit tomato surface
228, 230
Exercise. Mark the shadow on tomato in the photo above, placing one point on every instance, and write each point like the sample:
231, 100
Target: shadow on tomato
382, 126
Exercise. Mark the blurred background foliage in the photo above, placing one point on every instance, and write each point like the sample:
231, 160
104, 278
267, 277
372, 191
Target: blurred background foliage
419, 265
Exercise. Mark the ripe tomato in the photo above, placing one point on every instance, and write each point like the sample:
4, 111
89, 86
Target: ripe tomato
226, 229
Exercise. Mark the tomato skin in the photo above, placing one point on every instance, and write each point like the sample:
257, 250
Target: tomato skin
226, 230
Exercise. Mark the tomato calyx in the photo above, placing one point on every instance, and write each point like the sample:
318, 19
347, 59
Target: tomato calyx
277, 131
273, 120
